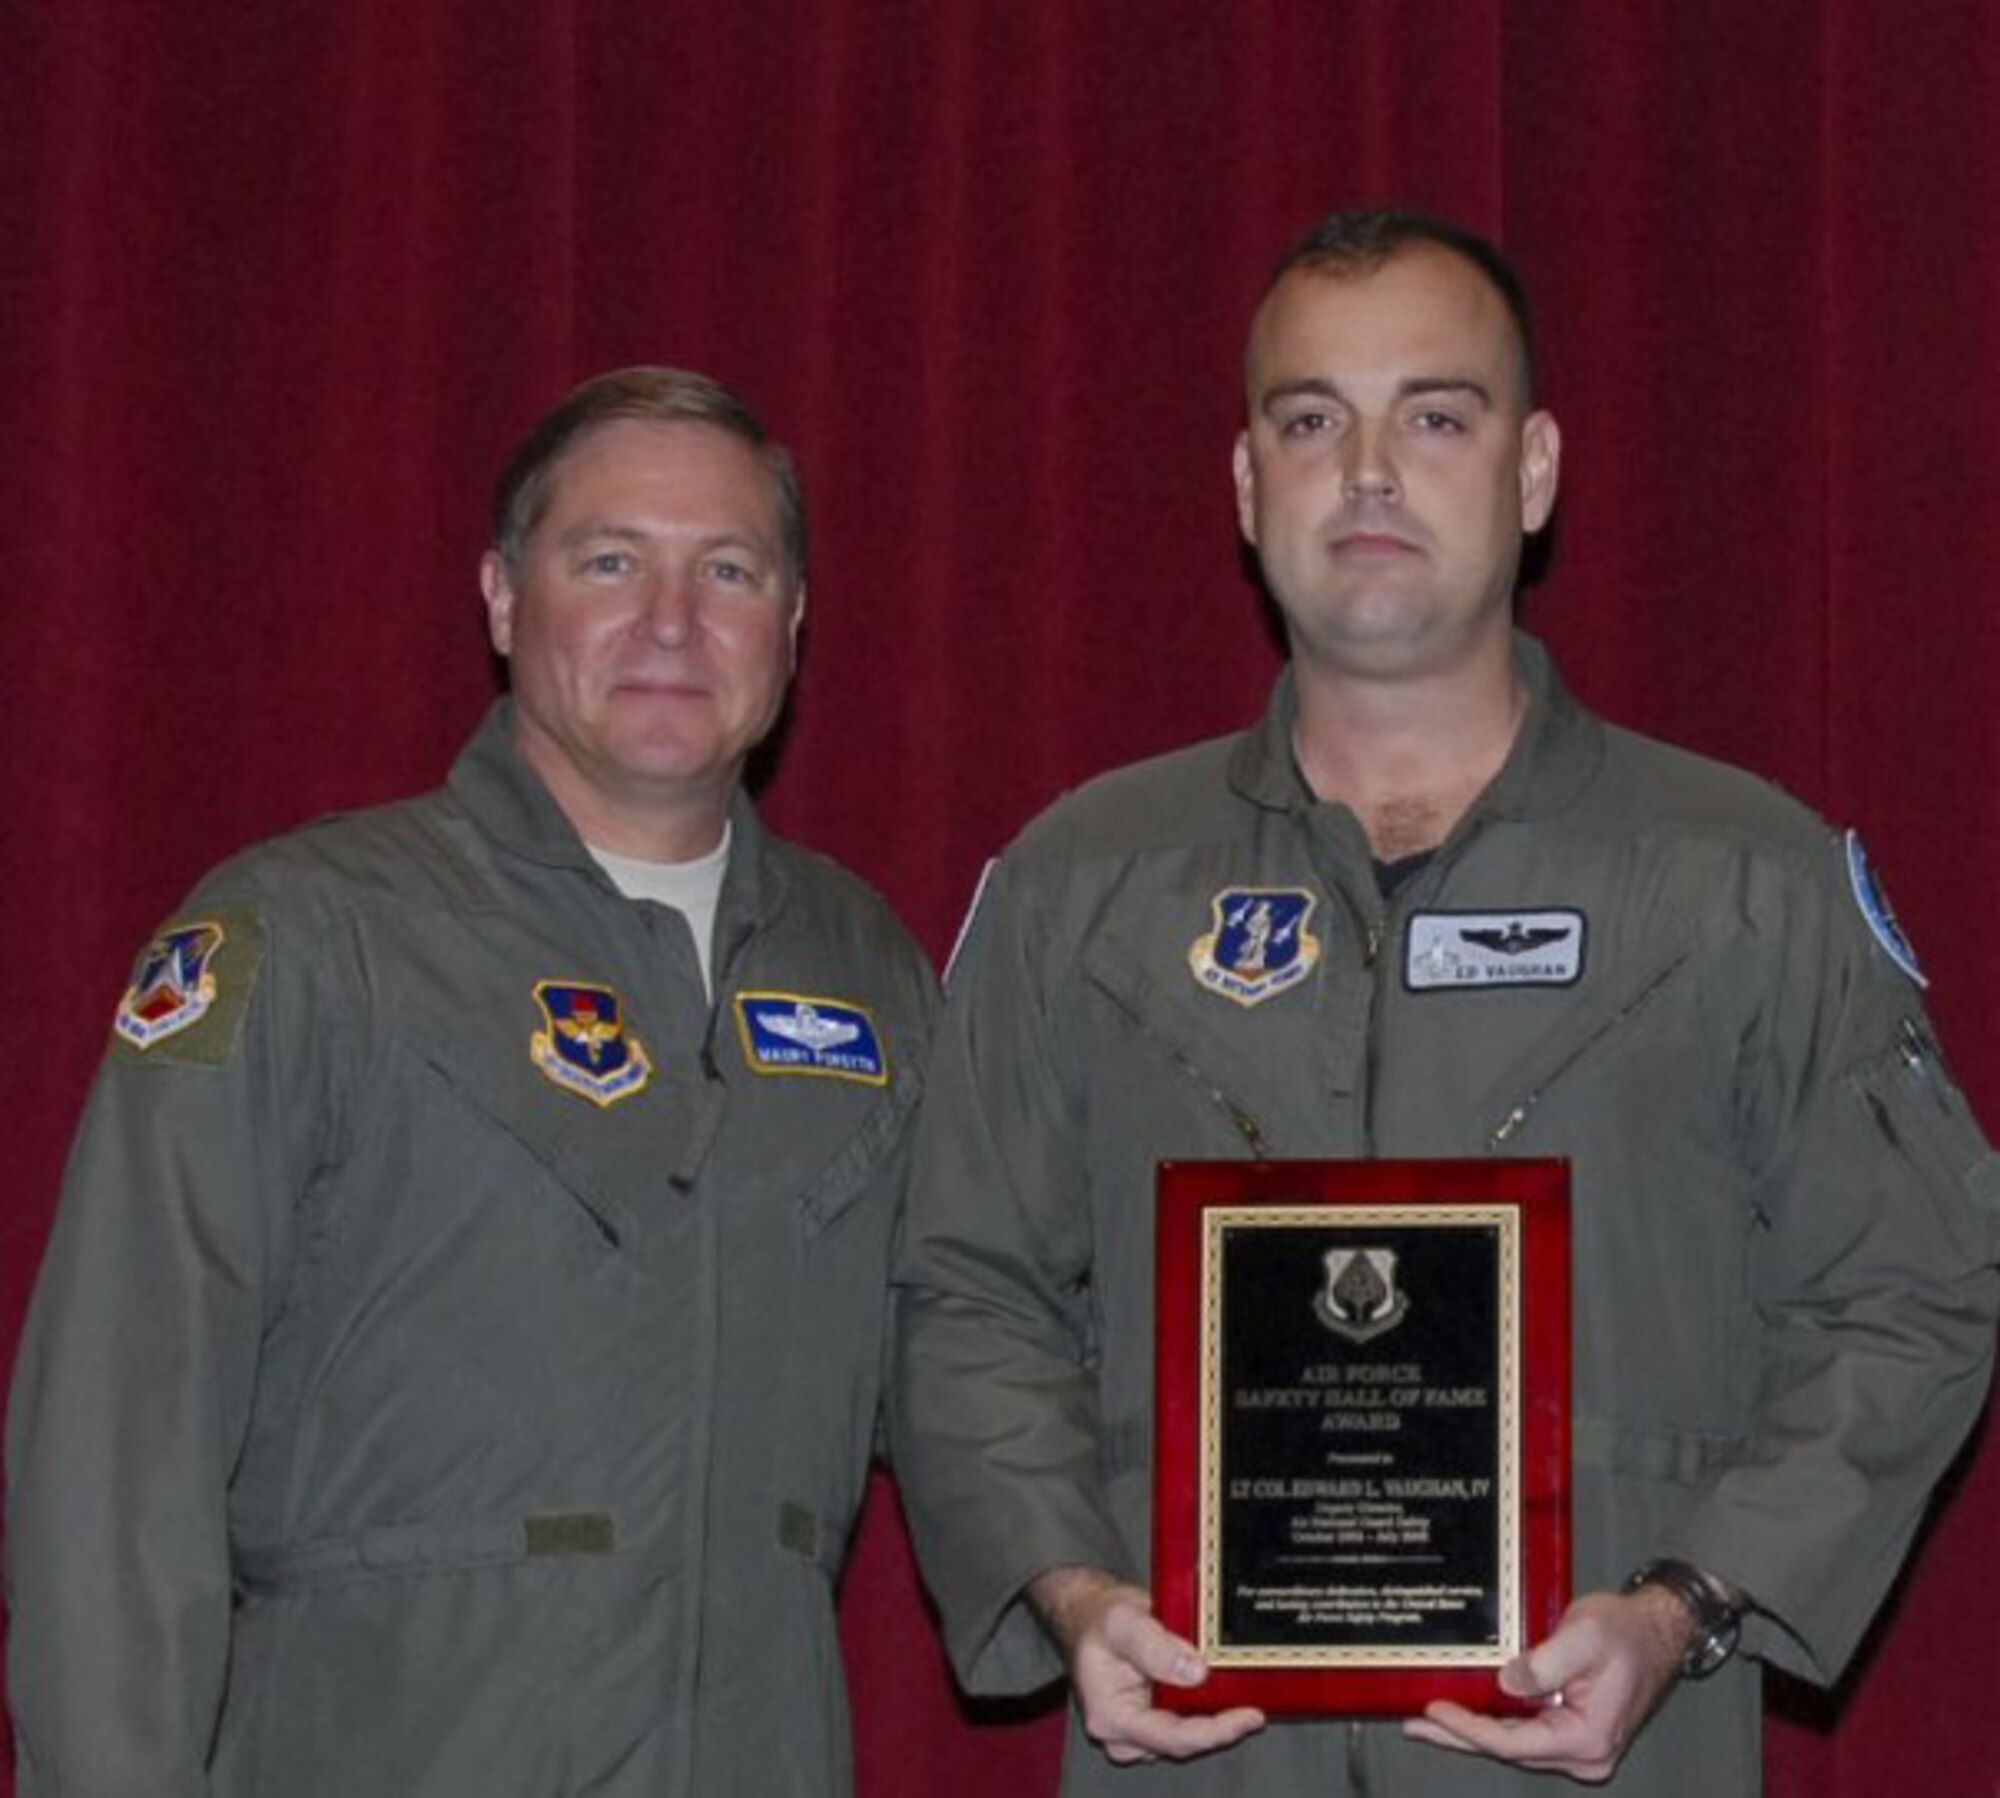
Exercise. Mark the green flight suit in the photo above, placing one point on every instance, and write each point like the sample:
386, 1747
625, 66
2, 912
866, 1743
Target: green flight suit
455, 1367
1783, 1215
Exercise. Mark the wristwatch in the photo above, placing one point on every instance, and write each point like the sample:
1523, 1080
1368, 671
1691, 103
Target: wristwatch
1717, 1612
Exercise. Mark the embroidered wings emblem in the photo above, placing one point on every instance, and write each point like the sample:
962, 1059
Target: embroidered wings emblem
809, 1029
1516, 939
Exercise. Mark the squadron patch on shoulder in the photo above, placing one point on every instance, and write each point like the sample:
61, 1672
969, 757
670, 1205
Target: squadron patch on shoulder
586, 1048
789, 1033
174, 987
1260, 945
1875, 910
191, 989
1501, 948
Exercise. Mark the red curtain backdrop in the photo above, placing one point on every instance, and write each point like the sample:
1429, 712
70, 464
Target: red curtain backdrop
280, 284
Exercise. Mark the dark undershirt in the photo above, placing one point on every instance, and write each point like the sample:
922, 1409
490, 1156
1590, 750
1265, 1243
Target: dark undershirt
1392, 876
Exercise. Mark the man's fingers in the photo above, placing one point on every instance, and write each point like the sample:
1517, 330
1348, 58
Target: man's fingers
1154, 1734
1142, 1641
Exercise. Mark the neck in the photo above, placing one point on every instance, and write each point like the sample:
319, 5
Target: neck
1408, 757
650, 825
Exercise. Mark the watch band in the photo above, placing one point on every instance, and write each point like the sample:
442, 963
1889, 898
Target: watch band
1718, 1616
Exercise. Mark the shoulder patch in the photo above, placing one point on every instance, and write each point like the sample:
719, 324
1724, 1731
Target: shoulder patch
1875, 910
190, 989
788, 1033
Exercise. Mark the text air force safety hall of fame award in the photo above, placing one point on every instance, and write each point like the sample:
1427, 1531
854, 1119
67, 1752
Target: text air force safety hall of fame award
1361, 1464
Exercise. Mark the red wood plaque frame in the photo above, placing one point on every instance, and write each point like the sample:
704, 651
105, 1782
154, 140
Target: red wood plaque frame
1361, 1463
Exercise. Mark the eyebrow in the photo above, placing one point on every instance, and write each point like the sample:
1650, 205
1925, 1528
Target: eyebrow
1415, 387
591, 530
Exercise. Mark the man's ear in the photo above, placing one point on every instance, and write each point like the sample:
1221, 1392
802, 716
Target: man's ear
1245, 476
798, 618
1541, 467
498, 589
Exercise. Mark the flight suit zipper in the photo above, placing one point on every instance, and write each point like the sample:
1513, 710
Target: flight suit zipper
1542, 1080
1240, 1120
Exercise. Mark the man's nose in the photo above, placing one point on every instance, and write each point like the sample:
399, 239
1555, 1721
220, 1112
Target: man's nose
669, 609
1370, 469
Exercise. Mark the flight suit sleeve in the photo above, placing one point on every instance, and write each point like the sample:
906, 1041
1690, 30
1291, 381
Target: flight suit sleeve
134, 1383
1876, 1292
994, 1416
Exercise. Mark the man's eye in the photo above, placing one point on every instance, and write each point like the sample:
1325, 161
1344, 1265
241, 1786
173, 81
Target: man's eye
1432, 419
732, 573
610, 563
1305, 424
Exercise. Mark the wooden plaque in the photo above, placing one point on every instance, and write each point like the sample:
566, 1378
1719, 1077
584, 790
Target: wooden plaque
1361, 1461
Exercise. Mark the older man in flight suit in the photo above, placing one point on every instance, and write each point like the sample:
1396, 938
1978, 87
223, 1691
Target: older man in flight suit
455, 1366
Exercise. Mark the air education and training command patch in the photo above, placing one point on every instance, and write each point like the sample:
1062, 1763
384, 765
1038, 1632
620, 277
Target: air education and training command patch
1260, 945
190, 989
173, 988
1874, 905
788, 1033
586, 1048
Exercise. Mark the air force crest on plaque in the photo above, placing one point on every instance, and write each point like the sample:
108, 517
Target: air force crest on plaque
1260, 945
786, 1033
1360, 1299
586, 1048
173, 988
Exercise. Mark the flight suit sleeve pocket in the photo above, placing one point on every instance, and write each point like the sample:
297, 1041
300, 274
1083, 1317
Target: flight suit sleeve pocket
1915, 1109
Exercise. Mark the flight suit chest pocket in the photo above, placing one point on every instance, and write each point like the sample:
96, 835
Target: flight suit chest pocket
596, 1155
1221, 1051
853, 1166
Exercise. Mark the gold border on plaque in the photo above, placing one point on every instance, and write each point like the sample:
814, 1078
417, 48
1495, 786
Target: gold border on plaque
1506, 1219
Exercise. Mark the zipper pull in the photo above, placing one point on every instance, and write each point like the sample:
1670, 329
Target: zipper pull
1920, 1057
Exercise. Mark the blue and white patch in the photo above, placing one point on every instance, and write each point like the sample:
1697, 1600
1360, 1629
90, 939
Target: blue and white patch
173, 988
1260, 946
586, 1048
1452, 951
1875, 909
790, 1033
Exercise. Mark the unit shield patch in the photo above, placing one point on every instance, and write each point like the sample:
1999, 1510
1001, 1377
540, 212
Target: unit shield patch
1260, 945
789, 1033
174, 986
1457, 950
1875, 909
586, 1048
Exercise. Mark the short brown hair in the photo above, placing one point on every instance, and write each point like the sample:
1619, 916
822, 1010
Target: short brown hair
1359, 241
665, 396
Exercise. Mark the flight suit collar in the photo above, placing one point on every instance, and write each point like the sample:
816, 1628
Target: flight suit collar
1558, 750
506, 799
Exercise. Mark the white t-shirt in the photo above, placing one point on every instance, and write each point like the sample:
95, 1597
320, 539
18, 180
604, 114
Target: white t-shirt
690, 888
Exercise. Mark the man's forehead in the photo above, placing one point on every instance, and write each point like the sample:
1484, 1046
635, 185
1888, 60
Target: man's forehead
662, 457
1424, 313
